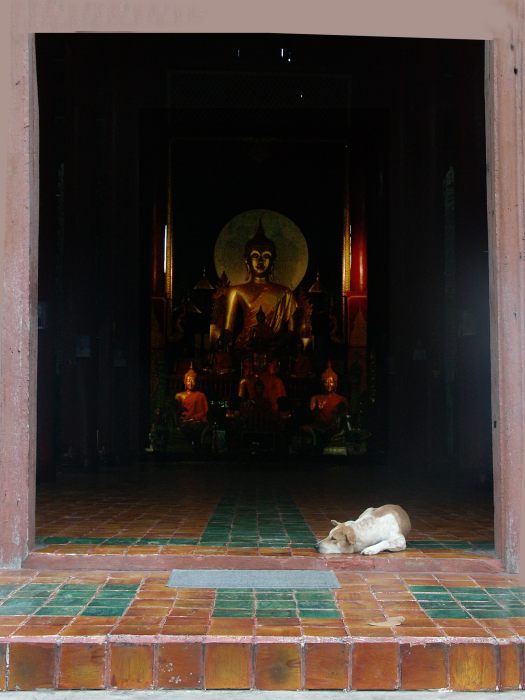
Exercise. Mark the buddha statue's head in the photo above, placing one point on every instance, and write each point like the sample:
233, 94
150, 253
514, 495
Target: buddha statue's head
329, 378
259, 254
190, 379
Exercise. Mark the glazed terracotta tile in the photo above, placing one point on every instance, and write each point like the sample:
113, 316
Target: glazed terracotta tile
231, 626
510, 666
455, 632
136, 628
263, 630
81, 666
423, 666
325, 632
179, 665
227, 665
155, 612
472, 666
374, 666
3, 665
131, 666
326, 666
408, 631
31, 630
467, 622
282, 621
31, 666
370, 631
185, 627
277, 666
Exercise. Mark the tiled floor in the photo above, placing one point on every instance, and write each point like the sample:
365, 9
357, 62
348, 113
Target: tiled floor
187, 511
101, 629
461, 628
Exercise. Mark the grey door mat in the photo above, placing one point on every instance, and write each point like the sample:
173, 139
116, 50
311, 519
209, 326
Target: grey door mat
251, 578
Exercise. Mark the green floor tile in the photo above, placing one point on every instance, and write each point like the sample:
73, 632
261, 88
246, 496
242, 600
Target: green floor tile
479, 604
472, 596
41, 587
277, 612
274, 595
27, 595
315, 612
464, 589
448, 613
307, 594
232, 612
318, 605
435, 605
87, 587
487, 613
70, 600
273, 605
111, 593
235, 604
62, 610
16, 608
120, 587
427, 589
104, 611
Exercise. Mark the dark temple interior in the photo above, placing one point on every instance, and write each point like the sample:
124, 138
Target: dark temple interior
367, 153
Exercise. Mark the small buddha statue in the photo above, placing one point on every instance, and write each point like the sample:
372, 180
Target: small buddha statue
246, 390
328, 408
259, 293
193, 408
274, 388
260, 335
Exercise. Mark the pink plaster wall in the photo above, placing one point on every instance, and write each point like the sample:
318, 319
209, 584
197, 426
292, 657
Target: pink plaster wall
506, 197
18, 303
481, 19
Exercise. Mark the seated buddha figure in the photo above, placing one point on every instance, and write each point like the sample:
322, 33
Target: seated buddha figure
192, 407
274, 388
329, 408
259, 294
246, 389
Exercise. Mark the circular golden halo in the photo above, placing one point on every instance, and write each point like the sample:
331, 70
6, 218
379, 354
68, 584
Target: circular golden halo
292, 250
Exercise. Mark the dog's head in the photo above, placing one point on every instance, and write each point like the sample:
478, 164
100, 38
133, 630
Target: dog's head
341, 540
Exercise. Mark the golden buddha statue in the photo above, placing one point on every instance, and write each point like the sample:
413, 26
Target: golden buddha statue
193, 407
259, 294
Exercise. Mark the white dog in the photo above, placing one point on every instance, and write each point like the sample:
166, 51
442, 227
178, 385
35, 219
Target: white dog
374, 531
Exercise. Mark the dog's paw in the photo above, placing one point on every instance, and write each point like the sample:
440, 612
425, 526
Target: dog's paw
370, 550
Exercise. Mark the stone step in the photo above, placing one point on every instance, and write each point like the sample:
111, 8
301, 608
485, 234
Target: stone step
164, 562
135, 661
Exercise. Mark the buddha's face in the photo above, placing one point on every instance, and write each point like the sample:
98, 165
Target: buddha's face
260, 262
330, 384
189, 383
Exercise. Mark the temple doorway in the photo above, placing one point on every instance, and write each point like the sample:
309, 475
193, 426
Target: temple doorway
358, 165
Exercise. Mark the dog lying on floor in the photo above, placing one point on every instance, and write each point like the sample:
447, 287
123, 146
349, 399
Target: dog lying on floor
374, 531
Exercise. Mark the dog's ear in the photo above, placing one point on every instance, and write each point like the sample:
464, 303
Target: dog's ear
335, 523
350, 535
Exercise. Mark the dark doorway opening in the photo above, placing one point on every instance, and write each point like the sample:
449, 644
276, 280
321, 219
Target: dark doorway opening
136, 129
